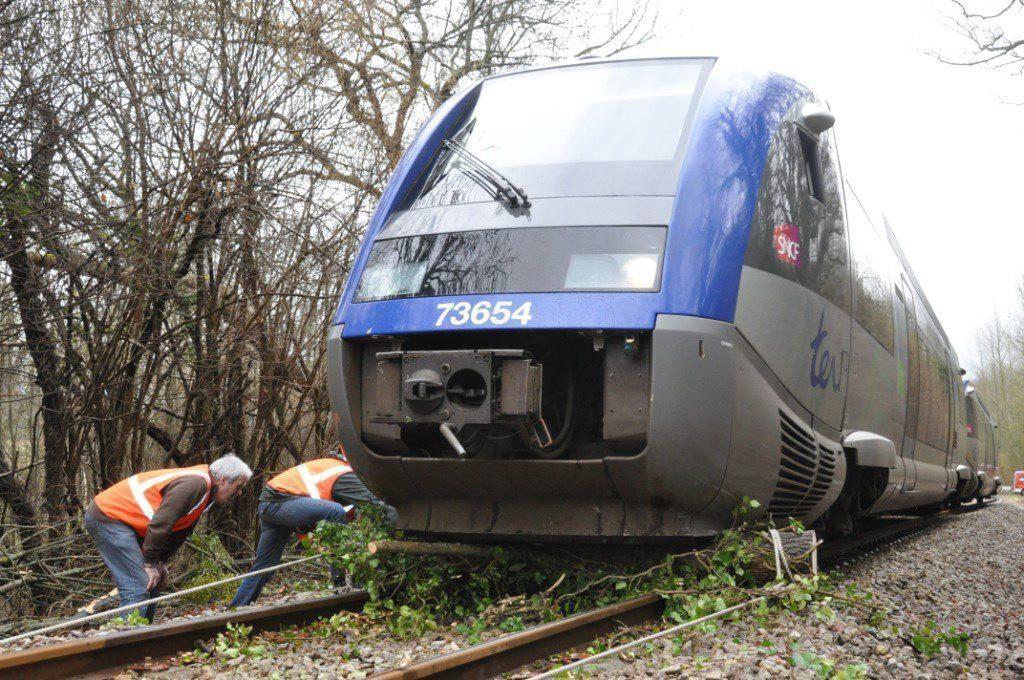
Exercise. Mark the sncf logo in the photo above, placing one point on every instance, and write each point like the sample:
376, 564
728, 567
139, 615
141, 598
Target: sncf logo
786, 242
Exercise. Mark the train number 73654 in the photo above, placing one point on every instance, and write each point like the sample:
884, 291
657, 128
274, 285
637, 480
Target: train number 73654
482, 313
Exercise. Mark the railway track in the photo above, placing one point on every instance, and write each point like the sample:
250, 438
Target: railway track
511, 652
91, 656
841, 551
105, 653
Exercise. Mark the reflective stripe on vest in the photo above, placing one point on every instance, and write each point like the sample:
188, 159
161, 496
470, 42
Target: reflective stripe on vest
314, 479
135, 500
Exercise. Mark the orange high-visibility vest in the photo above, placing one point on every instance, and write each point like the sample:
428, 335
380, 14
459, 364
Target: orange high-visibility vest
134, 500
313, 479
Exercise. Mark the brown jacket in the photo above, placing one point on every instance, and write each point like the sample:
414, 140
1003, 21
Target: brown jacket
161, 542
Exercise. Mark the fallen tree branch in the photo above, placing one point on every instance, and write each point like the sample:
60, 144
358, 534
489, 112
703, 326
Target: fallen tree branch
420, 548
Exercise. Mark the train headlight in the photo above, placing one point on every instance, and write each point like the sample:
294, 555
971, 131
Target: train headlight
640, 271
613, 271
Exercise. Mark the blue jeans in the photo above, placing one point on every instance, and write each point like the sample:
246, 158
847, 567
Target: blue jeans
119, 545
278, 519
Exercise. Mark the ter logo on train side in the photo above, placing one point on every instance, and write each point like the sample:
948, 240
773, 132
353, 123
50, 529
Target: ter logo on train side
823, 363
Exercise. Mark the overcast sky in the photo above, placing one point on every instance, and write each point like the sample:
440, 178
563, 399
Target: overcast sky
933, 147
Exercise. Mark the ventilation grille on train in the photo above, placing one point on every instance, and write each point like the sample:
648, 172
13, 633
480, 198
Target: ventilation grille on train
806, 469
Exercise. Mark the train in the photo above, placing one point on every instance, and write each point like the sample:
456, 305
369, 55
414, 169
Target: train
607, 300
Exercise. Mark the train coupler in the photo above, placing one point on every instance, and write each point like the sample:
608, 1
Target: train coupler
457, 387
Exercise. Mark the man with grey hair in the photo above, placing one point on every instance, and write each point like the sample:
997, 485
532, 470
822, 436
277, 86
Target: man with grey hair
140, 522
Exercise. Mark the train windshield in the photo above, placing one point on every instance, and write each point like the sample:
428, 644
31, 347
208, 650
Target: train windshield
527, 260
594, 129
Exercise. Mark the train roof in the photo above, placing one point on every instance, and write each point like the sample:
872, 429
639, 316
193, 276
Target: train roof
580, 61
728, 73
723, 68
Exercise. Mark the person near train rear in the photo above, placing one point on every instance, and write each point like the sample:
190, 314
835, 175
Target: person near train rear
321, 490
140, 522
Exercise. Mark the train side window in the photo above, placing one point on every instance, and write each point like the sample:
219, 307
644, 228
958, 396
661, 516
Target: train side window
793, 235
812, 166
933, 418
872, 301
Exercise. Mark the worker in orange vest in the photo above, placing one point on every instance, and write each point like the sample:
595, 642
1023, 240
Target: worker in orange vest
321, 490
141, 521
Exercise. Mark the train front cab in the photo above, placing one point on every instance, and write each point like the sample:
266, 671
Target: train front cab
748, 368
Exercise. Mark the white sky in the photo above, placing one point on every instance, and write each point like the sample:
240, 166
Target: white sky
933, 147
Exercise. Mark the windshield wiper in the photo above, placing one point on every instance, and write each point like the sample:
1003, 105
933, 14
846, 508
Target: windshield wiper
484, 173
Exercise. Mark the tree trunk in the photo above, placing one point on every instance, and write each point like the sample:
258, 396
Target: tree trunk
58, 494
16, 495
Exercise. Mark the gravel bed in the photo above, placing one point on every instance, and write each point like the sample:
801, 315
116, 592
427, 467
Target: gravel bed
353, 652
1013, 498
967, 573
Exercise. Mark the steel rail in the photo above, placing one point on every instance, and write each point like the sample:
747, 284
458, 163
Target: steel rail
76, 621
510, 652
614, 651
833, 551
107, 652
507, 653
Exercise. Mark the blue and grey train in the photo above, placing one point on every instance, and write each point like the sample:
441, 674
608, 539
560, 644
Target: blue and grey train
607, 299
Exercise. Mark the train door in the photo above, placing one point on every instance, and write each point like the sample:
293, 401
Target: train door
909, 378
900, 353
994, 453
955, 413
972, 446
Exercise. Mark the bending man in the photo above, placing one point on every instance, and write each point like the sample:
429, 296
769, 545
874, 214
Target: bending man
140, 522
325, 489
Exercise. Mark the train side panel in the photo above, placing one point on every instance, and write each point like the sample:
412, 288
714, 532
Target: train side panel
793, 310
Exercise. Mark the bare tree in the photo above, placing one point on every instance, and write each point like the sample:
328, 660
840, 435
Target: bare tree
182, 190
990, 34
996, 40
389, 63
999, 376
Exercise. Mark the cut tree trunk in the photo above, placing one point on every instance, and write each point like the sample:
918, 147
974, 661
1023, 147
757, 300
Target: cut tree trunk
439, 549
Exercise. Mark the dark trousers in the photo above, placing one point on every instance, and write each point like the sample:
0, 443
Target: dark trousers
278, 520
